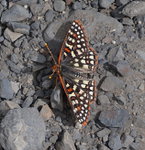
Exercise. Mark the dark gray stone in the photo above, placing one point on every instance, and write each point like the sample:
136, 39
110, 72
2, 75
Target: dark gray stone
35, 25
66, 142
59, 5
6, 90
94, 3
114, 118
56, 99
46, 84
15, 13
39, 58
114, 142
111, 83
19, 27
22, 129
77, 5
134, 8
49, 16
105, 3
121, 2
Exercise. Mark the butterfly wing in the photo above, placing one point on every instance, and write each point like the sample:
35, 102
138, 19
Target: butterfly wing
76, 55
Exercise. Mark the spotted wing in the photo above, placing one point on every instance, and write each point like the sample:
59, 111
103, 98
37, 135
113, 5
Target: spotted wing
77, 56
75, 51
80, 93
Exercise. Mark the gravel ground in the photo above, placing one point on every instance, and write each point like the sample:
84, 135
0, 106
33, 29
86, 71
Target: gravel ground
34, 111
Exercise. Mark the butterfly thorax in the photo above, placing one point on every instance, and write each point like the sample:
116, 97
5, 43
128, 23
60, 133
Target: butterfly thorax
72, 73
56, 68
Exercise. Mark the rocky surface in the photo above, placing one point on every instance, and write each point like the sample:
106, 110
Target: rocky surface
35, 113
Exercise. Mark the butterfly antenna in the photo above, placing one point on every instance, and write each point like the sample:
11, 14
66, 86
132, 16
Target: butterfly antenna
46, 45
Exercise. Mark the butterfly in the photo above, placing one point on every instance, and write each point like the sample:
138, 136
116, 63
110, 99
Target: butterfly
76, 67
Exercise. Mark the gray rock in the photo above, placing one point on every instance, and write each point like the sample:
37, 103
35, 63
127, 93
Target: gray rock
1, 9
26, 2
22, 129
14, 58
103, 99
27, 102
35, 25
134, 8
15, 13
111, 83
103, 147
121, 2
4, 3
114, 118
6, 90
103, 132
77, 5
59, 5
15, 86
46, 84
66, 142
119, 54
6, 105
141, 54
123, 68
114, 142
105, 3
120, 100
19, 27
39, 58
127, 21
94, 3
127, 140
94, 23
15, 68
56, 99
11, 36
1, 38
115, 54
137, 145
49, 16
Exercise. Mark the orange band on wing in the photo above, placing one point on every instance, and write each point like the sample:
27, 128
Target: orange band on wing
70, 90
67, 50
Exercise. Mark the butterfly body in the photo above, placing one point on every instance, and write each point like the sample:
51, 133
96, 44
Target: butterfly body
76, 67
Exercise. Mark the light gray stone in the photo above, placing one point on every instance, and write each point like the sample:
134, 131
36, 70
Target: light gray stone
6, 90
22, 129
15, 13
134, 8
66, 142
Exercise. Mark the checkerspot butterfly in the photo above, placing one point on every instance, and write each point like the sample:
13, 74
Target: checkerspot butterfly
76, 66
